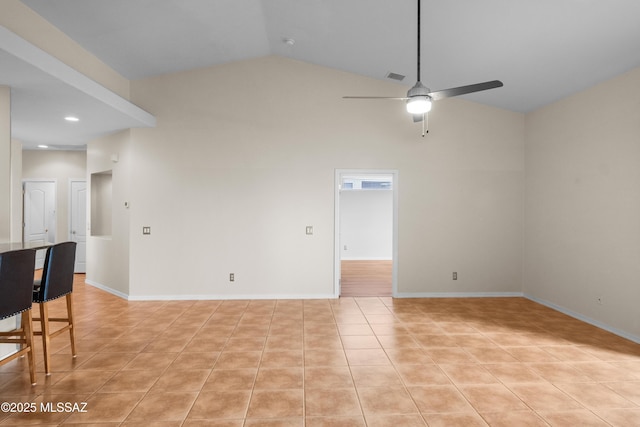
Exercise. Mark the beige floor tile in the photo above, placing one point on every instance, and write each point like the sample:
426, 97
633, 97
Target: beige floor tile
331, 402
192, 360
230, 379
408, 356
284, 342
108, 361
627, 389
377, 401
344, 362
80, 382
514, 373
163, 406
525, 418
322, 342
416, 375
595, 396
106, 407
468, 373
181, 380
282, 359
355, 329
248, 343
439, 399
151, 361
328, 377
455, 420
220, 404
211, 423
276, 404
131, 381
531, 354
275, 422
559, 372
238, 359
492, 398
375, 376
350, 342
398, 341
279, 378
620, 417
355, 421
575, 417
325, 358
544, 396
414, 420
367, 357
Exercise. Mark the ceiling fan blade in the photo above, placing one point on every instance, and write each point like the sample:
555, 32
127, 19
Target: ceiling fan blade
462, 90
375, 97
417, 118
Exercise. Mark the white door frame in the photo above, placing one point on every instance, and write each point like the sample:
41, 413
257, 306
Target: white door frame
339, 173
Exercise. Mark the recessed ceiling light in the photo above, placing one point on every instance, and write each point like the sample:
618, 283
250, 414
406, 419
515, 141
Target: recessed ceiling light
43, 146
72, 119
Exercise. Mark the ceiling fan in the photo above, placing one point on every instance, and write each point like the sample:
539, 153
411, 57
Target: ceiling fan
419, 97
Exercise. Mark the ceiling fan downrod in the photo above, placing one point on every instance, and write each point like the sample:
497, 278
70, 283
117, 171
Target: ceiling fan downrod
419, 101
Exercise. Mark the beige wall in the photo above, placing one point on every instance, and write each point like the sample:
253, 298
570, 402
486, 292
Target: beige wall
5, 164
582, 228
61, 167
243, 158
108, 256
16, 191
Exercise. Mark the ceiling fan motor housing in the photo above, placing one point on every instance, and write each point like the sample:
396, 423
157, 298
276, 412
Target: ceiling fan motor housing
418, 90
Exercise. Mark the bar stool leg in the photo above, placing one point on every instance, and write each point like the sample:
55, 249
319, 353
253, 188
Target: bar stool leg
46, 339
27, 327
72, 329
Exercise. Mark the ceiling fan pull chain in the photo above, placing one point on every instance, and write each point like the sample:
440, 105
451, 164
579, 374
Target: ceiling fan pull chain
425, 124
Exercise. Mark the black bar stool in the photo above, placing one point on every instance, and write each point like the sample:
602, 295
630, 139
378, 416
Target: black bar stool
16, 287
56, 282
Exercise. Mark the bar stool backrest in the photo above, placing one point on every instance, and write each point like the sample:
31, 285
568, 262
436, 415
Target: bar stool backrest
57, 275
16, 281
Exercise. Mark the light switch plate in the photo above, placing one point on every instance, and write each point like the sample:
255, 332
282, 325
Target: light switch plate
309, 230
146, 230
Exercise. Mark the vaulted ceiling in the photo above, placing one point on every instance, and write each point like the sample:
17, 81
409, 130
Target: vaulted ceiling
541, 50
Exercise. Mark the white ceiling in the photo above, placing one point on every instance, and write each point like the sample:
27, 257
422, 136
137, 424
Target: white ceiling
541, 50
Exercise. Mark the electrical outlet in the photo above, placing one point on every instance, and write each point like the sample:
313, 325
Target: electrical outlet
232, 277
309, 230
455, 275
146, 230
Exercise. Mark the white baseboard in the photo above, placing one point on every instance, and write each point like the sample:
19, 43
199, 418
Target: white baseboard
106, 289
198, 297
585, 319
365, 259
457, 294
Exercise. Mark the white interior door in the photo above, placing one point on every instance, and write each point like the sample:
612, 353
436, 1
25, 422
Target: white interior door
78, 222
40, 214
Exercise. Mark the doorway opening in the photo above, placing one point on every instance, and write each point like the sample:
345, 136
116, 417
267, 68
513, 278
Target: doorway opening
366, 204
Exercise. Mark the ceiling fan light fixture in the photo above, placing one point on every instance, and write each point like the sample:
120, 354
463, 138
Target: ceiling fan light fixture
419, 104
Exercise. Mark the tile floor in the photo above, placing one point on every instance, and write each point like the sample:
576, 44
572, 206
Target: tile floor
348, 362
